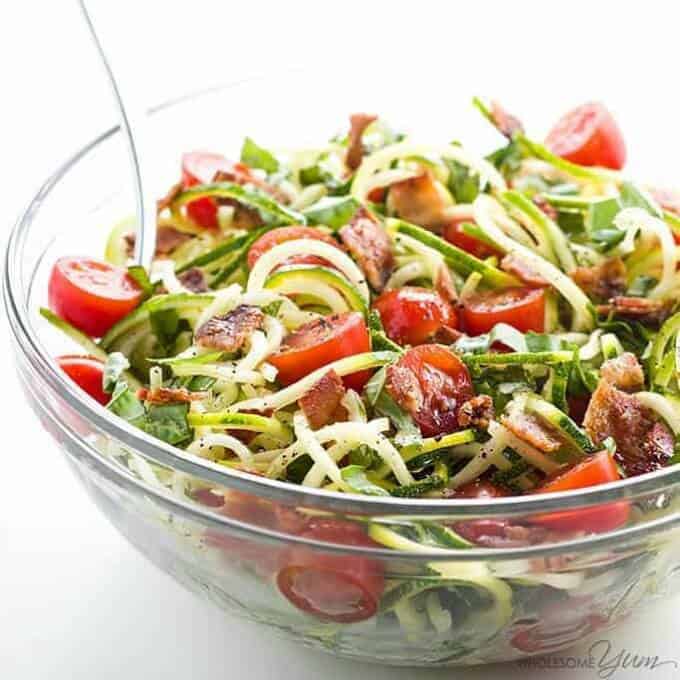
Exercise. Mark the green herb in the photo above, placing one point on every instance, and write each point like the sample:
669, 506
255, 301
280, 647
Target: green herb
125, 404
379, 340
375, 386
272, 309
463, 184
298, 469
606, 239
634, 197
334, 212
407, 430
364, 457
356, 478
116, 364
141, 278
419, 488
166, 325
641, 286
600, 214
256, 157
168, 422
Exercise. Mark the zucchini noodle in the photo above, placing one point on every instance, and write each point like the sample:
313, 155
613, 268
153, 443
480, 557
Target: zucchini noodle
486, 213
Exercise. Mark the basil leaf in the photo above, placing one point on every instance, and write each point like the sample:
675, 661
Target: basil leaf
601, 214
125, 404
141, 278
355, 476
542, 342
115, 365
334, 212
168, 422
407, 431
379, 340
166, 325
272, 309
255, 156
606, 239
632, 197
463, 185
375, 385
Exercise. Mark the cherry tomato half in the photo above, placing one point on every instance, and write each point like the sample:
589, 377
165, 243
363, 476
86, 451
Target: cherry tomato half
412, 315
91, 295
595, 470
431, 383
589, 135
321, 342
88, 373
523, 308
453, 233
480, 488
339, 588
199, 167
277, 236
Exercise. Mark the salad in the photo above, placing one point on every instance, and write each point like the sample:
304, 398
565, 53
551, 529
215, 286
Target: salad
381, 317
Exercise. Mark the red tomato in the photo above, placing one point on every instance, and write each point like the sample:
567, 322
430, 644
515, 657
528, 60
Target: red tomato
199, 167
562, 624
321, 342
91, 295
453, 233
87, 373
412, 315
277, 236
339, 588
479, 489
431, 383
595, 470
523, 308
589, 135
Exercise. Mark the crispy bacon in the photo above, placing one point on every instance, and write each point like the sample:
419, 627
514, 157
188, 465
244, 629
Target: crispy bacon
194, 280
602, 281
231, 331
443, 284
514, 264
169, 198
168, 239
169, 395
419, 200
643, 443
506, 123
651, 312
321, 404
370, 245
530, 430
546, 208
358, 122
668, 199
476, 412
624, 372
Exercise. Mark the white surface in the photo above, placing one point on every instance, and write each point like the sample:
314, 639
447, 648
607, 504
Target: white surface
76, 602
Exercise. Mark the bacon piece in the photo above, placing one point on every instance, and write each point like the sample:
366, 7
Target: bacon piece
421, 201
447, 335
668, 199
169, 395
545, 207
231, 331
168, 239
624, 372
506, 123
321, 403
476, 412
531, 430
602, 281
444, 285
498, 533
370, 245
169, 198
194, 280
358, 122
643, 443
652, 312
514, 264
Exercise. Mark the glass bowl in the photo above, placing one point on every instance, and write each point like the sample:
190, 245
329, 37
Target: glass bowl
243, 541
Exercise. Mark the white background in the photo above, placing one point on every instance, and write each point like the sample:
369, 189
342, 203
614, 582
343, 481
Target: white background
76, 602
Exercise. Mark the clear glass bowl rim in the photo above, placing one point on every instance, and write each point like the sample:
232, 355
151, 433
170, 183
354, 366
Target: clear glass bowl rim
27, 342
